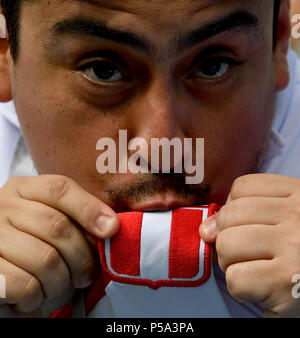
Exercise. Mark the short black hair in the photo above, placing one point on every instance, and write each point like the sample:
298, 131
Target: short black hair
11, 10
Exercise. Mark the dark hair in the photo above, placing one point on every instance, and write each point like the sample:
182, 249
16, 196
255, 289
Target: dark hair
11, 10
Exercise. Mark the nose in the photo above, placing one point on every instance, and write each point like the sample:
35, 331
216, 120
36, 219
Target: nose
162, 120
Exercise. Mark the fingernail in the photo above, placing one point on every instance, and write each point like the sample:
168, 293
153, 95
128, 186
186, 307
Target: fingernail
104, 223
209, 226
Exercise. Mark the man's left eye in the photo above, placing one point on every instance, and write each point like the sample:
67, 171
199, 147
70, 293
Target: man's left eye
102, 71
212, 69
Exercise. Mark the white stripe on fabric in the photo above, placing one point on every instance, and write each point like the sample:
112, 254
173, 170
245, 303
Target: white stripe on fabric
155, 236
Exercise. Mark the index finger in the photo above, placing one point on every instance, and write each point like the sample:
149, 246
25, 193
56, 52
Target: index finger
262, 185
65, 195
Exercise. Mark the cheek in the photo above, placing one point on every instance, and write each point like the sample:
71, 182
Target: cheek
60, 146
61, 132
240, 135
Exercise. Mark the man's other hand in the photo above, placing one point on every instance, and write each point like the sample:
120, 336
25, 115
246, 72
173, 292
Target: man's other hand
257, 235
45, 222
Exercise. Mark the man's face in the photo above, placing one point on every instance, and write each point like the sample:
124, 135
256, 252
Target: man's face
159, 68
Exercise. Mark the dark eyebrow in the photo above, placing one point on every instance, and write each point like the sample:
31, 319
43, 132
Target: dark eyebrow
241, 20
90, 27
238, 20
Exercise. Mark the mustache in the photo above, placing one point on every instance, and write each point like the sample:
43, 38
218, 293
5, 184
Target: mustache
148, 185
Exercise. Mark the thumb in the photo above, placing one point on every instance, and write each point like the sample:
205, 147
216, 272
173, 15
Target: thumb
208, 229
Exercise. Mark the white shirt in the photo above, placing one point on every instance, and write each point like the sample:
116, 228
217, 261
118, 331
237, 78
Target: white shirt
282, 157
9, 135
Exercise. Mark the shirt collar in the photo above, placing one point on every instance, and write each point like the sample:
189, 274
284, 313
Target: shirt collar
9, 113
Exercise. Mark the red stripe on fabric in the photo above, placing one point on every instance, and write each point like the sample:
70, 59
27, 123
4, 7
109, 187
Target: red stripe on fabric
185, 243
125, 246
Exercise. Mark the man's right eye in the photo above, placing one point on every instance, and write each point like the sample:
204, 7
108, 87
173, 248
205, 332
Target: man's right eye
102, 71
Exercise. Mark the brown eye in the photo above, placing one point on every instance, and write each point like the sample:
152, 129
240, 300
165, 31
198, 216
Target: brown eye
212, 69
102, 71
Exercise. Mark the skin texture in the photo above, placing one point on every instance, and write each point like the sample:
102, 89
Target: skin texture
158, 102
257, 241
163, 94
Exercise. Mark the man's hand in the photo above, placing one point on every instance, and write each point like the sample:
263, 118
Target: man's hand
42, 251
257, 235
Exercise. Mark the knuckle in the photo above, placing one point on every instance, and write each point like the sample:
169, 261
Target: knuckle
12, 186
51, 259
59, 187
60, 227
86, 207
232, 275
229, 212
32, 287
222, 242
30, 297
235, 191
222, 216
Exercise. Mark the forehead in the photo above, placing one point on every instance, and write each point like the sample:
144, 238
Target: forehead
163, 11
166, 28
157, 19
159, 7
